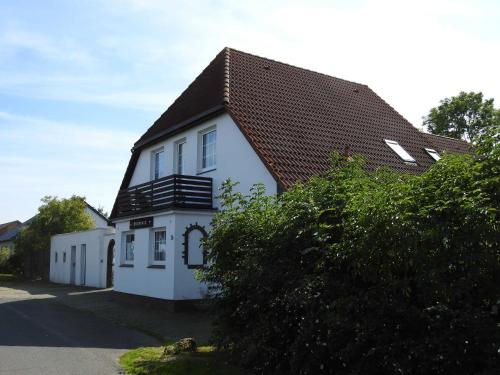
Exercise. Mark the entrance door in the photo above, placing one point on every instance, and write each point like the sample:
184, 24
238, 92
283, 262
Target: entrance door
72, 265
109, 265
83, 263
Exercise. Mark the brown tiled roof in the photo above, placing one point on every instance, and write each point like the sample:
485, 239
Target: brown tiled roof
293, 117
441, 144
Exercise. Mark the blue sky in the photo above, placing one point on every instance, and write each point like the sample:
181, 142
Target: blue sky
80, 81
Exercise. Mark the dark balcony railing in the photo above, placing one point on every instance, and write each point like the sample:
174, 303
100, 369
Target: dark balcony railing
175, 191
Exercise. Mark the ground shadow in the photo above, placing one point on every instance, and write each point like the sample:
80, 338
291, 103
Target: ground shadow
53, 315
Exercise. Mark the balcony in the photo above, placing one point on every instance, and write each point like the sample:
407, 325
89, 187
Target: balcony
175, 191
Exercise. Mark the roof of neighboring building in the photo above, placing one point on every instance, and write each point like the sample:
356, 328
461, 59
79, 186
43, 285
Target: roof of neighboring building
452, 145
96, 212
9, 230
293, 117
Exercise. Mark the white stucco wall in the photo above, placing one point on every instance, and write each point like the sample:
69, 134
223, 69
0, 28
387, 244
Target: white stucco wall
185, 284
236, 159
96, 257
139, 279
175, 281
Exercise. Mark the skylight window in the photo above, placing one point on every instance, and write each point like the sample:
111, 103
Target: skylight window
395, 146
433, 154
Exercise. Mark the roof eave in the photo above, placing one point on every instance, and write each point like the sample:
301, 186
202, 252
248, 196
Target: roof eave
183, 125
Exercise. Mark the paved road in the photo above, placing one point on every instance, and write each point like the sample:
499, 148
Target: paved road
40, 336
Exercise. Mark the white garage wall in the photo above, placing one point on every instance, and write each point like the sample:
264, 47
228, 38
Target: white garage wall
96, 256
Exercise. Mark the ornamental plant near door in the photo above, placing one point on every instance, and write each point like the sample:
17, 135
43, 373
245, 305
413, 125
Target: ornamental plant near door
360, 272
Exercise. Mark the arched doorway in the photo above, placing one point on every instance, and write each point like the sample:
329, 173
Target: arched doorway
109, 265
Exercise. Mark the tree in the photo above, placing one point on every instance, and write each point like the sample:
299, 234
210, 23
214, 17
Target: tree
54, 216
103, 211
464, 116
360, 272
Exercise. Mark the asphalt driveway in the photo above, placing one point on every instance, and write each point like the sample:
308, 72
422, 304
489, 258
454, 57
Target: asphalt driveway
39, 335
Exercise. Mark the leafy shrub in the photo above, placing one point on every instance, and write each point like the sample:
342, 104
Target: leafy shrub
362, 272
4, 257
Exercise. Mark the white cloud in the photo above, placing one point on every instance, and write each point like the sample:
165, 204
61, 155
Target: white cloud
42, 157
64, 134
140, 54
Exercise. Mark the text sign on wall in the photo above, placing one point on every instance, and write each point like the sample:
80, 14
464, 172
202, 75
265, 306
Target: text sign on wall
143, 222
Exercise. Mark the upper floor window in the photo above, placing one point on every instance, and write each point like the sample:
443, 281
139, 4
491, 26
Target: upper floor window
208, 152
180, 156
129, 247
396, 147
158, 161
433, 154
159, 245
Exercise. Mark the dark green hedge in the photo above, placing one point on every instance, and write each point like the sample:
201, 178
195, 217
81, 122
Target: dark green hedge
364, 272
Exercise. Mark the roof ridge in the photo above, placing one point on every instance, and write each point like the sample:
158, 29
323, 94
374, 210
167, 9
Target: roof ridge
295, 66
225, 99
444, 136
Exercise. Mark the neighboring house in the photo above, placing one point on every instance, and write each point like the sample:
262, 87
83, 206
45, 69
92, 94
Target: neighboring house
98, 218
82, 258
253, 120
8, 233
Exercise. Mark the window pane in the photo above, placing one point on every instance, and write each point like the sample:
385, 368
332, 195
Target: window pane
159, 245
400, 151
180, 158
159, 164
129, 247
208, 150
433, 154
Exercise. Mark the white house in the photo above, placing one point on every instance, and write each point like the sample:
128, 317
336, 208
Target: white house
83, 258
253, 120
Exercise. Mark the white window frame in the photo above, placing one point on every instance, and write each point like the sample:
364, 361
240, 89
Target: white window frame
180, 165
125, 255
433, 153
400, 151
153, 164
201, 135
152, 247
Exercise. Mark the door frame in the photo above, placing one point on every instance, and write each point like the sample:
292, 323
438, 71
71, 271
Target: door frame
109, 264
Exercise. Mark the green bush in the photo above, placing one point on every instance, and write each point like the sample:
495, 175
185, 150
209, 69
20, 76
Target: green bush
362, 272
4, 257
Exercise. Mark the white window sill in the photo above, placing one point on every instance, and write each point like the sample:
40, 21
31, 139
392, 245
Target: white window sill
206, 171
157, 266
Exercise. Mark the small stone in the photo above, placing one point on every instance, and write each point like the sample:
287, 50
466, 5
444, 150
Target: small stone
186, 345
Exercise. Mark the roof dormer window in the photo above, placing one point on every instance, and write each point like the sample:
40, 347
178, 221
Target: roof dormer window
433, 154
396, 147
